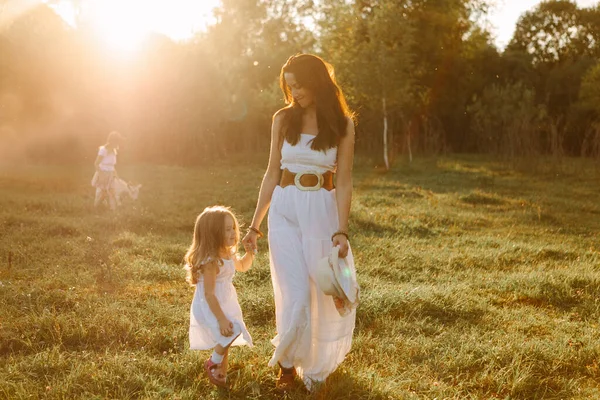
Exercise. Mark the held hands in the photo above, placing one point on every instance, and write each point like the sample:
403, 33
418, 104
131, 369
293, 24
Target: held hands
248, 248
226, 327
249, 242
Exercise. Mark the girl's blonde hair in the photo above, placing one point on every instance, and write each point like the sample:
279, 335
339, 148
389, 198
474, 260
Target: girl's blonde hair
209, 240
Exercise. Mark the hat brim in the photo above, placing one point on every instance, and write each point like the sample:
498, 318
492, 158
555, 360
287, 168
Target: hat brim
326, 279
345, 275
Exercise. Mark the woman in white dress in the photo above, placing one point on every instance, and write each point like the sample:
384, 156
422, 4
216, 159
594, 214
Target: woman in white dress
106, 172
311, 139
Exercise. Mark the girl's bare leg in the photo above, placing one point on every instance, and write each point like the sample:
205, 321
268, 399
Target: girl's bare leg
225, 363
99, 197
112, 200
222, 351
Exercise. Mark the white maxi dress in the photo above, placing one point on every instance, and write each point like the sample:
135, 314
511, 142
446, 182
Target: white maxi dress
311, 335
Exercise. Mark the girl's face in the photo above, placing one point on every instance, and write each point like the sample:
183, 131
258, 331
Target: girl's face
230, 232
302, 95
114, 140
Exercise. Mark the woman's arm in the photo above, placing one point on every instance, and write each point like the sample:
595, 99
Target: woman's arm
343, 190
209, 274
270, 180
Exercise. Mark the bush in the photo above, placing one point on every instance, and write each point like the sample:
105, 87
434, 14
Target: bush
506, 121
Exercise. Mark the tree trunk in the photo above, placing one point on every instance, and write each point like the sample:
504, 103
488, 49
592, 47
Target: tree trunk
408, 135
385, 134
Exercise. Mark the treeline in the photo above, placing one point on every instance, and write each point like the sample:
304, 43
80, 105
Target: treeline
423, 76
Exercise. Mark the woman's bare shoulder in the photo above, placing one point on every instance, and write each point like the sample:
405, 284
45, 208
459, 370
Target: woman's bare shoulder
350, 121
280, 114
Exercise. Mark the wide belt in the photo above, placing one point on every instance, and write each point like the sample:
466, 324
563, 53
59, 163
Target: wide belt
307, 180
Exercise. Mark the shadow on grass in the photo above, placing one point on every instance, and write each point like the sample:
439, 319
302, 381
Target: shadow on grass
339, 385
375, 315
448, 314
433, 179
342, 385
371, 228
375, 229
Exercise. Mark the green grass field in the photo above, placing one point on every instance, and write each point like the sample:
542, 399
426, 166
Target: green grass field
478, 282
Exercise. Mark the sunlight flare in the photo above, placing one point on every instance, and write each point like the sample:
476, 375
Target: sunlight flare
123, 24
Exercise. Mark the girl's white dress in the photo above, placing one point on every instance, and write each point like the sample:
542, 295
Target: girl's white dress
204, 327
311, 335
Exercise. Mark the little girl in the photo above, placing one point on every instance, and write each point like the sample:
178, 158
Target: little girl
215, 316
106, 172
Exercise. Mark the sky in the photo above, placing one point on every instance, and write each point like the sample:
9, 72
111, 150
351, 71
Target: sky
179, 19
505, 14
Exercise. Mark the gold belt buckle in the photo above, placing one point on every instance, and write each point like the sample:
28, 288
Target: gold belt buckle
299, 185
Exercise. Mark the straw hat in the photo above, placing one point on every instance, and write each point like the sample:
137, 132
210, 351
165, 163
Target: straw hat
335, 277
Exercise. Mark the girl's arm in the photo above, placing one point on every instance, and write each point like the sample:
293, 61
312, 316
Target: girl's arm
209, 273
101, 155
270, 180
244, 263
343, 190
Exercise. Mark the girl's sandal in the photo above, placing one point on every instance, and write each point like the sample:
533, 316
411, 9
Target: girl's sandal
215, 377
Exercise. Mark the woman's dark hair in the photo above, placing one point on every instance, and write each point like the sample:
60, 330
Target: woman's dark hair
316, 75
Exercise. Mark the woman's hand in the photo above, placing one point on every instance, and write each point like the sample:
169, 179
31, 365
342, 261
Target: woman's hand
249, 242
341, 241
226, 327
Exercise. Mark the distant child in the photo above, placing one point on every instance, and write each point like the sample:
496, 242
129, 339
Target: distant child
106, 173
215, 316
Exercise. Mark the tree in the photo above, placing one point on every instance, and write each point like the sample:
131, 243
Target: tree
556, 30
590, 91
506, 121
589, 107
369, 44
562, 43
249, 43
453, 60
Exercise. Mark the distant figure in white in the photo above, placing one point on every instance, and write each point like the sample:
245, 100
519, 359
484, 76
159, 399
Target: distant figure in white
105, 171
109, 187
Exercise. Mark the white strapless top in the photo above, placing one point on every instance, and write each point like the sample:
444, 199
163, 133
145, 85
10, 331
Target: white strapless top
301, 157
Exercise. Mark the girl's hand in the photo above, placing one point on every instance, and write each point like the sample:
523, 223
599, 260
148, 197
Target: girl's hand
248, 249
226, 327
249, 242
342, 243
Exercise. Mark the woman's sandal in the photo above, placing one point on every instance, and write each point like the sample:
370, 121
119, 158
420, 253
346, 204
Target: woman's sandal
216, 378
285, 379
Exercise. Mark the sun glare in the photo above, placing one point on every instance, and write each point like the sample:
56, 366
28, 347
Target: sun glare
123, 24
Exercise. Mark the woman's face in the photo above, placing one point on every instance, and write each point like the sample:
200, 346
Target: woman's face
230, 233
302, 95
